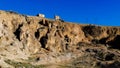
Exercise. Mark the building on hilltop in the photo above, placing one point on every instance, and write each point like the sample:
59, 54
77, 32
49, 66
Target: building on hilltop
56, 17
41, 15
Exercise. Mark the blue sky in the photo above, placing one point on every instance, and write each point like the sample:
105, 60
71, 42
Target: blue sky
100, 12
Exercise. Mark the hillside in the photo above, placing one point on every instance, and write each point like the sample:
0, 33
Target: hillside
36, 42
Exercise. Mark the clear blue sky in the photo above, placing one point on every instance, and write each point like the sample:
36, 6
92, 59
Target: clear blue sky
101, 12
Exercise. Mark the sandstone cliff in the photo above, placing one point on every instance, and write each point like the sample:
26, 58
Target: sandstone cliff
35, 42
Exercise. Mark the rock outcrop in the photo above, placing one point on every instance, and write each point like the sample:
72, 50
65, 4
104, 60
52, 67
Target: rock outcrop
32, 41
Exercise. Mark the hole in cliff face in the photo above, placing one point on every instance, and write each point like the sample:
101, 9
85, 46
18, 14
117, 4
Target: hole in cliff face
66, 46
66, 38
43, 41
44, 22
115, 43
11, 44
62, 29
95, 41
37, 34
37, 59
115, 64
41, 22
28, 22
17, 32
112, 31
103, 40
92, 30
109, 57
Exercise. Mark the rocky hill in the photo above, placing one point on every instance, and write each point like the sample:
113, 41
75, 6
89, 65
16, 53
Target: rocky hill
36, 42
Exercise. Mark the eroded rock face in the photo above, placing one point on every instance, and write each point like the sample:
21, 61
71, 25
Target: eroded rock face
36, 40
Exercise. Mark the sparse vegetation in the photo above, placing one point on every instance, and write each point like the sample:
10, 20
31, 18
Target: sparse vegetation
23, 65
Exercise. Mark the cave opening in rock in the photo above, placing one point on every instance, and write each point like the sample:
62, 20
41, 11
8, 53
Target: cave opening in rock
109, 57
44, 22
115, 43
43, 41
66, 46
17, 32
66, 38
37, 34
37, 59
103, 40
41, 22
95, 41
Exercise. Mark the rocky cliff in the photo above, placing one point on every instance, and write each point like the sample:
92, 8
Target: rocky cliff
36, 42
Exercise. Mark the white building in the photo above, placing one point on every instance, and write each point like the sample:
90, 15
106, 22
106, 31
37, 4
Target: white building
57, 17
41, 15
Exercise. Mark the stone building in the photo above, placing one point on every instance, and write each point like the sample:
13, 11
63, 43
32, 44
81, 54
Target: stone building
41, 15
